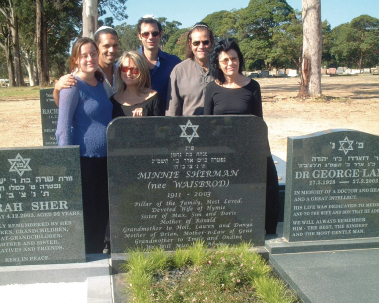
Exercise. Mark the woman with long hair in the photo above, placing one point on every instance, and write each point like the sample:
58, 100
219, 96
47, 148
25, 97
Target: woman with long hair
134, 96
84, 114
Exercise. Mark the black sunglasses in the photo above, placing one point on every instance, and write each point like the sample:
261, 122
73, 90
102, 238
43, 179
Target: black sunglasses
147, 34
197, 43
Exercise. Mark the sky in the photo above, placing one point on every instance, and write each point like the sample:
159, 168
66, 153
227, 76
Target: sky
191, 11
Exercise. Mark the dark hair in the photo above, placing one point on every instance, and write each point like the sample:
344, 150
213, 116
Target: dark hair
224, 46
149, 20
75, 54
105, 30
199, 26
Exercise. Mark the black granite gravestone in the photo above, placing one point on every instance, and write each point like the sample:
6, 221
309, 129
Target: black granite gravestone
175, 180
49, 117
41, 217
332, 186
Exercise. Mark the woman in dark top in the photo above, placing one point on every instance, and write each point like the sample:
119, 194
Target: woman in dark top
134, 97
234, 94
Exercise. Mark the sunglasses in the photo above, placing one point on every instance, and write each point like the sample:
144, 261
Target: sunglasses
226, 60
197, 43
133, 70
147, 34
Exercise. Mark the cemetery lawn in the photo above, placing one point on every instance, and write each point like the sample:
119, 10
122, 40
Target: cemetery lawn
348, 102
19, 93
226, 274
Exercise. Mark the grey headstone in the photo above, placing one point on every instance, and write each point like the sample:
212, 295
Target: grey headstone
49, 117
41, 213
175, 180
336, 276
332, 186
253, 75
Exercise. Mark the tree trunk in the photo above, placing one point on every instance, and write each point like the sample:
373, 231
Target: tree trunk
89, 17
10, 67
16, 50
312, 49
28, 60
43, 75
8, 55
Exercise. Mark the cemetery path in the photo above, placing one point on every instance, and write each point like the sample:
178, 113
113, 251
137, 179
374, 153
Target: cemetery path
348, 103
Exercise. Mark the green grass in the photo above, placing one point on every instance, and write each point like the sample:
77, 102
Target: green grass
226, 274
12, 93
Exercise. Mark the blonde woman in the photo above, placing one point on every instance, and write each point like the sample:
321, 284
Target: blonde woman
134, 97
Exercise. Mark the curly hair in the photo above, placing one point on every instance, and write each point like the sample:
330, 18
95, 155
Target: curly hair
224, 45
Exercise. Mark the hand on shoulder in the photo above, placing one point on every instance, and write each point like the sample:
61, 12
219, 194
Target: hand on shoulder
65, 81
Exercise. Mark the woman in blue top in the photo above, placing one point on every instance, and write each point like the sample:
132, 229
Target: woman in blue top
83, 117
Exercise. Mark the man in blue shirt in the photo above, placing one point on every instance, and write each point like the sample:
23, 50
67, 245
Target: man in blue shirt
160, 63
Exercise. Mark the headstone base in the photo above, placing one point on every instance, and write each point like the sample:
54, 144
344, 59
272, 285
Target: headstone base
282, 246
91, 281
335, 276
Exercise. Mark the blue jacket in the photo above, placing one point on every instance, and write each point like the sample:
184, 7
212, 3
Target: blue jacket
160, 75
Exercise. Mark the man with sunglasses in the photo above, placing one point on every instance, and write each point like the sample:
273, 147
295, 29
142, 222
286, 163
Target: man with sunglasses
160, 63
186, 89
106, 39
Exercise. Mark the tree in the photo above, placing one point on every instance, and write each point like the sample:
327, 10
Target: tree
254, 26
6, 44
10, 21
176, 44
312, 42
90, 15
92, 9
356, 43
128, 37
168, 29
287, 41
328, 38
222, 23
41, 42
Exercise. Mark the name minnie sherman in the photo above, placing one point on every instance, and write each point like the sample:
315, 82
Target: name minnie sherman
188, 174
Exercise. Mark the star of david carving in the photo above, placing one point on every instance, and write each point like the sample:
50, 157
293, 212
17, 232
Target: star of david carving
184, 131
19, 165
343, 146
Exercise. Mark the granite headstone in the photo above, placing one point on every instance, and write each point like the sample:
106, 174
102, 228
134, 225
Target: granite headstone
49, 117
332, 186
41, 217
175, 180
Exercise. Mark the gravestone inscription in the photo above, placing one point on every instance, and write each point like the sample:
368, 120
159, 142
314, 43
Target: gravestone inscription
49, 117
176, 180
332, 186
41, 217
